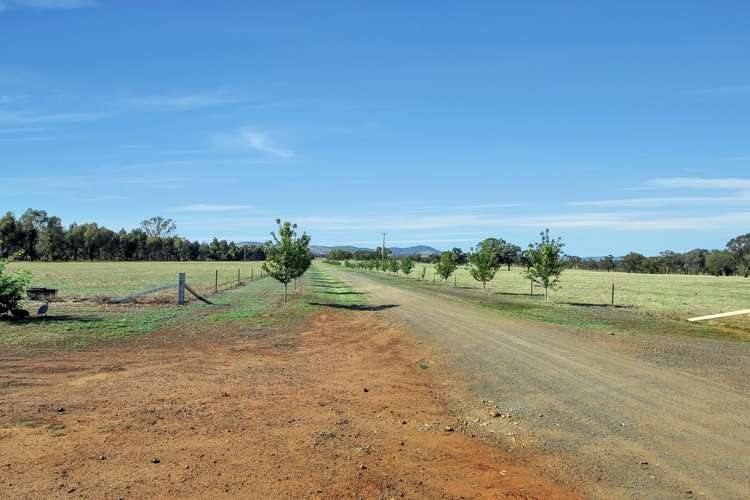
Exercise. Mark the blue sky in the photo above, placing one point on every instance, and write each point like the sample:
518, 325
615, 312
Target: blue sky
619, 125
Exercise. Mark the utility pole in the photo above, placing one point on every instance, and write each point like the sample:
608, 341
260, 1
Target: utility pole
382, 253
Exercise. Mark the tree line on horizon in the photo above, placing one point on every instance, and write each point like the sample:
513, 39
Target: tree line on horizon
40, 236
733, 260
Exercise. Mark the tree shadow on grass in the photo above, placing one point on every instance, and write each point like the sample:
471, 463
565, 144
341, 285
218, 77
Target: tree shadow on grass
328, 285
344, 293
61, 318
589, 304
354, 307
520, 294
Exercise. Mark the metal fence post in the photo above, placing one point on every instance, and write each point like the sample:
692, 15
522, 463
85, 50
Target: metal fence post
181, 289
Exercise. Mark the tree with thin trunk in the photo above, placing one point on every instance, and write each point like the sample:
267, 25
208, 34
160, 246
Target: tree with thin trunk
446, 266
545, 262
407, 265
393, 266
483, 265
287, 255
158, 227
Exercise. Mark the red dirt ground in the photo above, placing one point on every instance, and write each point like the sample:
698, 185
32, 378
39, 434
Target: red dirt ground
334, 407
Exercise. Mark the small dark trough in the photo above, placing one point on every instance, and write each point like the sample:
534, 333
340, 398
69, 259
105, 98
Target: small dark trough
40, 293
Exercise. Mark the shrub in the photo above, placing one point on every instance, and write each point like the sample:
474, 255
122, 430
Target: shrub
12, 285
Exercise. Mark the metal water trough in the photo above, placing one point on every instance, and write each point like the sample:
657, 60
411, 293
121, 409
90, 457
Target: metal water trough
40, 293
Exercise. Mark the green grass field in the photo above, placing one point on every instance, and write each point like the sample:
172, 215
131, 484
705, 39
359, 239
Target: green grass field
257, 305
582, 293
110, 279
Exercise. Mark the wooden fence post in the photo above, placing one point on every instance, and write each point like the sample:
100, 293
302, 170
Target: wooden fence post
181, 289
613, 295
238, 277
532, 287
252, 274
216, 282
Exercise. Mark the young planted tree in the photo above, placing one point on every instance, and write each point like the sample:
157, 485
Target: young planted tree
424, 271
12, 285
545, 262
446, 266
483, 265
407, 265
393, 266
287, 255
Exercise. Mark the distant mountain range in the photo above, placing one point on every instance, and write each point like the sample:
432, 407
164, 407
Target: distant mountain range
322, 251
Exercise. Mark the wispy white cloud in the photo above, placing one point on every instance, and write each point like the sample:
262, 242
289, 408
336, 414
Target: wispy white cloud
726, 90
631, 221
740, 198
736, 183
32, 118
184, 102
27, 138
253, 139
212, 208
46, 4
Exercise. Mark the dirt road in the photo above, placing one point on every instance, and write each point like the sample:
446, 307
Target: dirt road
332, 407
649, 417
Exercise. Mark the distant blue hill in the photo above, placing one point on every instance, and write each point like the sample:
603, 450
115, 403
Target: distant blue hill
322, 251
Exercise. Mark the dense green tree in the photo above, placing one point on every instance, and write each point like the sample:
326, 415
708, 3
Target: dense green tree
393, 265
12, 284
459, 256
739, 249
407, 265
545, 262
633, 262
158, 227
695, 261
483, 265
287, 254
720, 263
446, 266
608, 263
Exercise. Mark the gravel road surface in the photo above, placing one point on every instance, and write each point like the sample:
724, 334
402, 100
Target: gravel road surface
637, 417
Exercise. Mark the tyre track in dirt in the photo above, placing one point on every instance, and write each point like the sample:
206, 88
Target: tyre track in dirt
632, 426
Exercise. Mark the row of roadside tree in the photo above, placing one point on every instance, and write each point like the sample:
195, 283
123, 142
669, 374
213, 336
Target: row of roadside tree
734, 259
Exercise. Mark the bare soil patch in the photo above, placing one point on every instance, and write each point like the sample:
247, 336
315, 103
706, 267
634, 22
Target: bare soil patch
336, 407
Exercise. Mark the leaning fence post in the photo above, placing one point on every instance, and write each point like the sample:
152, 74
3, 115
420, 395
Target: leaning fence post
216, 282
181, 289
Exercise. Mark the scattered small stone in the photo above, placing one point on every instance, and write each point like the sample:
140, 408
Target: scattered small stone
362, 466
71, 490
225, 394
541, 415
496, 413
155, 461
403, 422
366, 389
60, 409
102, 457
448, 428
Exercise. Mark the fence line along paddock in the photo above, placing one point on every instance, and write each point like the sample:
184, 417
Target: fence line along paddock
182, 286
99, 282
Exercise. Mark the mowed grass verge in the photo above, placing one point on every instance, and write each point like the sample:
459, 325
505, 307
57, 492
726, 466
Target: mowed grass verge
257, 304
645, 304
98, 280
